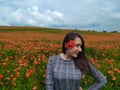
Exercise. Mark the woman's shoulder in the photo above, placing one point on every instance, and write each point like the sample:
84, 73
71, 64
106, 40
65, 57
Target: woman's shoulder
53, 58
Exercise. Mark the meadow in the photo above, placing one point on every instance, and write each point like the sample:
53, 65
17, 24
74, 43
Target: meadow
24, 53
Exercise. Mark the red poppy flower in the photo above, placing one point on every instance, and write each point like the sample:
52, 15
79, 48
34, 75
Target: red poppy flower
70, 44
1, 76
28, 73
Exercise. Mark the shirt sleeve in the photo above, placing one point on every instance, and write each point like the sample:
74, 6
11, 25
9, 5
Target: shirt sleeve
49, 75
99, 78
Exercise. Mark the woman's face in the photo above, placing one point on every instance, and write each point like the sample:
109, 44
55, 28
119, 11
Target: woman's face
73, 52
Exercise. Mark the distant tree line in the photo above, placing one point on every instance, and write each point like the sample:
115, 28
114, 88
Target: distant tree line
103, 31
97, 31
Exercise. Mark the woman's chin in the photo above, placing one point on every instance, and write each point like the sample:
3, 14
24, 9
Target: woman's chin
75, 55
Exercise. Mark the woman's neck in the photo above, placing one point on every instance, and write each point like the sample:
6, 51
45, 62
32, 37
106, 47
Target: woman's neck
66, 56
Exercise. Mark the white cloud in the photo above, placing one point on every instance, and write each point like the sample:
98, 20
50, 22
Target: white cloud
33, 16
55, 14
31, 22
17, 15
116, 15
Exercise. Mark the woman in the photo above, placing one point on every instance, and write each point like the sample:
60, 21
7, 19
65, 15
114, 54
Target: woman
64, 71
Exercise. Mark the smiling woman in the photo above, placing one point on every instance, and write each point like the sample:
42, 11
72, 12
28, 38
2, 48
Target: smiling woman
65, 70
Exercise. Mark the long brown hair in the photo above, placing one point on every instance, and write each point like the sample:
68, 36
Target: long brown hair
81, 61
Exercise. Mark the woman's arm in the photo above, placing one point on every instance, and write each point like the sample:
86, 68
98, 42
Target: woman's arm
99, 78
49, 75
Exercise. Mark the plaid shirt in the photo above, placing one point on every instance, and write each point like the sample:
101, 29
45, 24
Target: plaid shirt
63, 75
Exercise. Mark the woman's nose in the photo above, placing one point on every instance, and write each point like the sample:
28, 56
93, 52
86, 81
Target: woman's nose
80, 49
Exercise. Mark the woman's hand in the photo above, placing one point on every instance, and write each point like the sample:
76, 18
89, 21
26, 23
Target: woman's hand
80, 88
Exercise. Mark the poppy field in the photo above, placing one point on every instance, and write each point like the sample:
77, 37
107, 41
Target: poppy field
24, 54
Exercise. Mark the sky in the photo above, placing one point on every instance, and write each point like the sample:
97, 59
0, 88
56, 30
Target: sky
98, 15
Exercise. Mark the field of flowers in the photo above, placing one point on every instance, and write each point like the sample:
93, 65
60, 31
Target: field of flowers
24, 55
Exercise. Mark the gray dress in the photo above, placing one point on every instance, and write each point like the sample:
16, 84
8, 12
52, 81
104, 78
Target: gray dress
63, 75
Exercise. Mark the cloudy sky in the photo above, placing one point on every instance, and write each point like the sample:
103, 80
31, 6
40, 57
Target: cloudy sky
96, 15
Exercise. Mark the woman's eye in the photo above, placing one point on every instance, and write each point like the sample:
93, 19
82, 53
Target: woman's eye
77, 45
